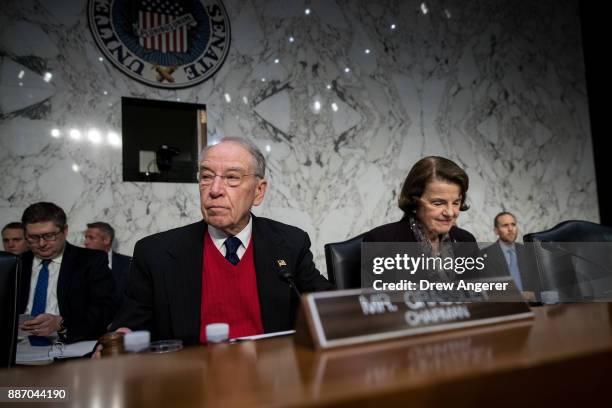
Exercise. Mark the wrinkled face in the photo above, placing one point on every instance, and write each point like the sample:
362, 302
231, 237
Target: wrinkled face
96, 239
506, 228
14, 241
439, 206
46, 239
225, 207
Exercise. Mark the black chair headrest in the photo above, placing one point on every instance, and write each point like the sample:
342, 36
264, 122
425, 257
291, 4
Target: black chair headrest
572, 231
343, 261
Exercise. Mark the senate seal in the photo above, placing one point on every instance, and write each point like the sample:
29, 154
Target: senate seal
164, 43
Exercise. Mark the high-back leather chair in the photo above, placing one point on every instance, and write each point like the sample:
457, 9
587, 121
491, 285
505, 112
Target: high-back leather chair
575, 270
343, 261
10, 277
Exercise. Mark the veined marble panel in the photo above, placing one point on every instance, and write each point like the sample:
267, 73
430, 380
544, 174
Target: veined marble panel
342, 100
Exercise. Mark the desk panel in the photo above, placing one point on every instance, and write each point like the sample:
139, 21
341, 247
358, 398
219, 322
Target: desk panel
563, 356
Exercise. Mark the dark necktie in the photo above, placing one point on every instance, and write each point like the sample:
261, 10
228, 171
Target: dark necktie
231, 245
39, 304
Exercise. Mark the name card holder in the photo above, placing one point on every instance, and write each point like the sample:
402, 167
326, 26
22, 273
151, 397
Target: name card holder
347, 317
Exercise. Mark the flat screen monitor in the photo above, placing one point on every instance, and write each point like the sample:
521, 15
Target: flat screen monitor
161, 140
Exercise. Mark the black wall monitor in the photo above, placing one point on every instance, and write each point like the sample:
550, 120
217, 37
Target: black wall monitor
162, 140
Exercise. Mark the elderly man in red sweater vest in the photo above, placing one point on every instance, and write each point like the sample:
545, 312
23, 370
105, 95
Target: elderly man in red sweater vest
225, 268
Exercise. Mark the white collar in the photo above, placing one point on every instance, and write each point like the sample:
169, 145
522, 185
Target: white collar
219, 236
57, 259
503, 244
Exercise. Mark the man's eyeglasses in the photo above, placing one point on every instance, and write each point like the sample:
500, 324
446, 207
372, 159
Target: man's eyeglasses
49, 236
207, 178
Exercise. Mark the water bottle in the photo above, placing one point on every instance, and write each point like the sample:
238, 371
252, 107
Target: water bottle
136, 341
217, 333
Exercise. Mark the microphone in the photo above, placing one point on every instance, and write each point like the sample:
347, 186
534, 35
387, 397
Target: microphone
283, 273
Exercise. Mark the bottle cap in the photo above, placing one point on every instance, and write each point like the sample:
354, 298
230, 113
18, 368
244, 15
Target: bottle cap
165, 346
136, 341
217, 332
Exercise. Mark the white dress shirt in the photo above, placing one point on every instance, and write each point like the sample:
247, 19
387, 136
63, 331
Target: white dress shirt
54, 269
219, 237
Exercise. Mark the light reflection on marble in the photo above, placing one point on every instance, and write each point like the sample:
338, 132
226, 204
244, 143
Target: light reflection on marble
498, 87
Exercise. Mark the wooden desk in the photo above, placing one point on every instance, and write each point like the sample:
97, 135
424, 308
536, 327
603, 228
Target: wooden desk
562, 357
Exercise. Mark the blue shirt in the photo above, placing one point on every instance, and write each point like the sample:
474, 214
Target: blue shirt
509, 251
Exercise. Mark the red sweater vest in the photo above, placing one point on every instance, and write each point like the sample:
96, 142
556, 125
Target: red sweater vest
229, 292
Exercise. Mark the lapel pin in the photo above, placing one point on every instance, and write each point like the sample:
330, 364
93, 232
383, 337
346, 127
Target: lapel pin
281, 262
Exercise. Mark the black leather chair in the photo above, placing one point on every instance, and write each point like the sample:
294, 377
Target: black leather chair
10, 278
576, 271
343, 261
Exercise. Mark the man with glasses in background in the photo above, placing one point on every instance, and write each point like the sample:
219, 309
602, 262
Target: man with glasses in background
65, 289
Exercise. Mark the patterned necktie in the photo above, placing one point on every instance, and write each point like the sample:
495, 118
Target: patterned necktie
39, 303
231, 245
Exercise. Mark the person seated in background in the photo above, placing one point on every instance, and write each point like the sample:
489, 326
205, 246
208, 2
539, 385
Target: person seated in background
231, 267
65, 288
506, 257
13, 239
100, 235
432, 196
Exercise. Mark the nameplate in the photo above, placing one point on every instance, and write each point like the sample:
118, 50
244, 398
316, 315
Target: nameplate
347, 317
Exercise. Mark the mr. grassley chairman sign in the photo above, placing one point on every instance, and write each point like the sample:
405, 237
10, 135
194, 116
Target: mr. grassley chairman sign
164, 43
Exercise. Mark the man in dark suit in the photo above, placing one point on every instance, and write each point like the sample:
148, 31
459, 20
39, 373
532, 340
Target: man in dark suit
100, 235
506, 257
231, 267
66, 289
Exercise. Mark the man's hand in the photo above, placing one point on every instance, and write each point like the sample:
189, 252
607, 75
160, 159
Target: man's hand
529, 296
98, 353
43, 325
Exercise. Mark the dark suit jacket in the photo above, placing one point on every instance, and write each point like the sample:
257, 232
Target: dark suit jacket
496, 265
120, 270
84, 291
400, 231
164, 293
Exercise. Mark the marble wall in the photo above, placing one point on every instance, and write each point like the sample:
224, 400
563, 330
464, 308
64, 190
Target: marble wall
343, 100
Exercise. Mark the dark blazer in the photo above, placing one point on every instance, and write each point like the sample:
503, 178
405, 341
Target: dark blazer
400, 231
496, 265
84, 291
120, 269
164, 292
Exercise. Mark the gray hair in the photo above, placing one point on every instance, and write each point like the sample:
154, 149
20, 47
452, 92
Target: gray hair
104, 227
258, 158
